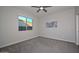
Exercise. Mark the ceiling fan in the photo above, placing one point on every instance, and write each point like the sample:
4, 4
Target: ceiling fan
41, 8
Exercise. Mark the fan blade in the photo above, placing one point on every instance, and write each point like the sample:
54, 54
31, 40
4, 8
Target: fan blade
46, 6
36, 6
45, 10
38, 10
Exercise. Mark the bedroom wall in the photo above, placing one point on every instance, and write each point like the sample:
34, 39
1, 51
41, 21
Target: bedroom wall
66, 25
9, 33
77, 24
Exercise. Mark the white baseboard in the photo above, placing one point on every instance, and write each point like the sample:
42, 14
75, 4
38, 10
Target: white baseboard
16, 42
58, 39
31, 38
77, 43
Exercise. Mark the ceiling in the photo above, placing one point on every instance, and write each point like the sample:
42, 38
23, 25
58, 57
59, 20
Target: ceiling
42, 14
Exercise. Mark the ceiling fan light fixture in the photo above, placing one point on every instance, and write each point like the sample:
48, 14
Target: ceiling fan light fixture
41, 8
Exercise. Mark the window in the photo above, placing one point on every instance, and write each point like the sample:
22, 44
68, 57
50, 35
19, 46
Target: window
24, 23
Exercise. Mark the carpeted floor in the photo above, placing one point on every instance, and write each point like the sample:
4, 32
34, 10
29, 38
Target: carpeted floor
41, 45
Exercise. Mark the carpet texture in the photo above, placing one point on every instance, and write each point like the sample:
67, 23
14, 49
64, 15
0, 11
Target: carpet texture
41, 45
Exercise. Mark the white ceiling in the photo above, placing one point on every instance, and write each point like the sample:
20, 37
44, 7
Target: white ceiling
42, 14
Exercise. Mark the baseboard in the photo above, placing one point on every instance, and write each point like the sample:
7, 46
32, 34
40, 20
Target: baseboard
16, 42
32, 38
58, 39
77, 43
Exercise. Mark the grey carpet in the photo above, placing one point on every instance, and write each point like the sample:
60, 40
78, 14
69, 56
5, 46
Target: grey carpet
41, 45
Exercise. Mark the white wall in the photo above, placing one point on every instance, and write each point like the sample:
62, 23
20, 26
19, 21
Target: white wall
9, 33
66, 26
77, 24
